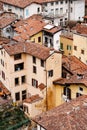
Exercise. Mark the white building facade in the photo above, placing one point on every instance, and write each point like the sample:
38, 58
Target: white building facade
24, 12
63, 10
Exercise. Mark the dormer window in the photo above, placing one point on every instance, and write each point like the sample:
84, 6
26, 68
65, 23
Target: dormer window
80, 76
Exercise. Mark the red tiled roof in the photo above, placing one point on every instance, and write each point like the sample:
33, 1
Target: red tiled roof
29, 27
53, 30
6, 19
72, 80
4, 89
68, 116
30, 48
4, 40
19, 3
73, 64
81, 29
32, 99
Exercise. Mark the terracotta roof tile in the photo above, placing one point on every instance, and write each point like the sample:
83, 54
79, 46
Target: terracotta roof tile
53, 30
68, 116
18, 3
81, 29
29, 27
73, 64
30, 48
32, 99
4, 40
6, 19
41, 86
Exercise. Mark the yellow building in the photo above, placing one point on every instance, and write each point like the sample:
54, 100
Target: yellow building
67, 91
80, 47
66, 43
73, 82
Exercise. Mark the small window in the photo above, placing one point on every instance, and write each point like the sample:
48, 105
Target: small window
75, 48
38, 9
17, 96
80, 88
3, 75
50, 73
42, 63
71, 1
82, 51
56, 2
61, 46
61, 2
24, 94
71, 9
66, 1
52, 3
78, 94
34, 83
69, 47
16, 81
27, 12
17, 56
39, 39
34, 59
19, 66
34, 69
23, 79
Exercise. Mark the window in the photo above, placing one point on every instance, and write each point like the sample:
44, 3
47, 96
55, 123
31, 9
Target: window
61, 2
61, 46
67, 92
23, 94
45, 4
16, 81
71, 1
19, 66
78, 94
71, 9
61, 10
56, 2
3, 75
38, 9
23, 79
39, 39
34, 69
56, 11
42, 63
75, 48
1, 52
34, 59
34, 83
50, 73
52, 3
17, 96
82, 51
46, 39
81, 89
66, 1
68, 47
27, 12
17, 56
9, 10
